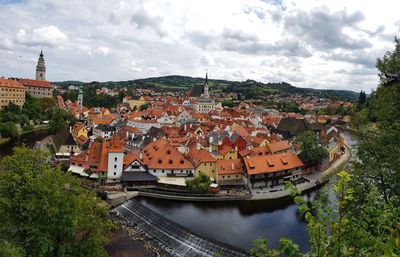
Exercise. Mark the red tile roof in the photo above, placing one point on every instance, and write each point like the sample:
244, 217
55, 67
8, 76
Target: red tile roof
228, 167
271, 163
36, 83
10, 83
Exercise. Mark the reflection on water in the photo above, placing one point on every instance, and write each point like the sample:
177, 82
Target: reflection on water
28, 139
239, 223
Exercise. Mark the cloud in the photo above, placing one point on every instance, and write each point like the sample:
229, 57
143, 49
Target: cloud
45, 36
324, 30
103, 50
143, 19
6, 44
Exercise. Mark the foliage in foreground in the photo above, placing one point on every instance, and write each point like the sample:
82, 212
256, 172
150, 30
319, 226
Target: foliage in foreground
46, 212
334, 230
199, 184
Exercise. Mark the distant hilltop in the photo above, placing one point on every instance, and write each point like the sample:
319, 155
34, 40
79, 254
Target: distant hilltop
248, 88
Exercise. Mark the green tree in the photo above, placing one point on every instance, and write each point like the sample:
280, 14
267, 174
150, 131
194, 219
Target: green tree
59, 120
362, 98
46, 212
311, 152
144, 107
9, 130
199, 184
335, 230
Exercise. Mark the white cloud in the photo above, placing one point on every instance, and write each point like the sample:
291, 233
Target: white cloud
103, 50
308, 43
45, 36
6, 44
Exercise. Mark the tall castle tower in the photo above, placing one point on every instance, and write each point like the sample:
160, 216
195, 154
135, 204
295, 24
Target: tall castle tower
80, 99
41, 68
206, 94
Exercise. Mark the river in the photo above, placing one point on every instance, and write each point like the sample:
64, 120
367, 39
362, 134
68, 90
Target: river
239, 223
28, 139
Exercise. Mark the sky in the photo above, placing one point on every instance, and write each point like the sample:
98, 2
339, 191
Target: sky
308, 43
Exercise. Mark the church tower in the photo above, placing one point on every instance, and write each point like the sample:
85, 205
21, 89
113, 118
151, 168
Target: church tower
206, 94
80, 99
41, 68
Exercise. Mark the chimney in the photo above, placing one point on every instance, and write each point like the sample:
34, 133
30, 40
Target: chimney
141, 156
210, 139
154, 139
184, 127
233, 166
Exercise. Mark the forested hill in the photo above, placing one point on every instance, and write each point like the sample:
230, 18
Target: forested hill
248, 88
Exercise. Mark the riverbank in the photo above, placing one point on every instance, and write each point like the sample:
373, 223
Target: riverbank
313, 181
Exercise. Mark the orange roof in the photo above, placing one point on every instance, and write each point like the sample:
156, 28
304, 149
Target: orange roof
10, 83
161, 155
242, 131
225, 149
116, 145
226, 167
81, 140
279, 146
198, 156
271, 163
105, 120
36, 83
77, 127
129, 158
260, 151
132, 129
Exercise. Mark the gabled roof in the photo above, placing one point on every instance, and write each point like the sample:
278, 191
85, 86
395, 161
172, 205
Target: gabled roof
293, 126
63, 137
279, 146
36, 83
129, 158
198, 156
229, 167
161, 155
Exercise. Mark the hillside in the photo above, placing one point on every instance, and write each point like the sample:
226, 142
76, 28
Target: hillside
248, 88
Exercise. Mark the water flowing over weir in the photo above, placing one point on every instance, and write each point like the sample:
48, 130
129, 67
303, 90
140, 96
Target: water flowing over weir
178, 240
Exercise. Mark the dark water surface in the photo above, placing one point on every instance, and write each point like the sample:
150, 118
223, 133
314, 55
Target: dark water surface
239, 223
28, 139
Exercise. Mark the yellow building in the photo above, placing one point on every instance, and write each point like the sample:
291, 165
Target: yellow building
79, 130
203, 161
134, 102
228, 153
333, 149
11, 91
229, 171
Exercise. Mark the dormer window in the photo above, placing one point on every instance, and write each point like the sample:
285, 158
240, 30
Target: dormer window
170, 161
182, 161
159, 161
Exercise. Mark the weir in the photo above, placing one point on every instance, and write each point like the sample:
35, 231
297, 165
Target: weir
179, 240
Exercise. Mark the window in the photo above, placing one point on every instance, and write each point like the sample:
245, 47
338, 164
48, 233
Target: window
162, 171
223, 176
116, 158
115, 173
115, 166
237, 176
229, 176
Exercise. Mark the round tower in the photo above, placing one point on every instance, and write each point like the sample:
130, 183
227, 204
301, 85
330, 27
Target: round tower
41, 68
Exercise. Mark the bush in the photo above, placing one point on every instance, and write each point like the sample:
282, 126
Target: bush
199, 184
